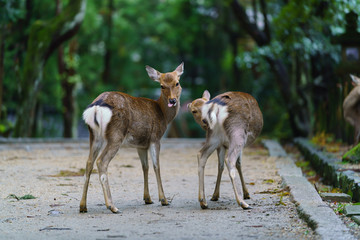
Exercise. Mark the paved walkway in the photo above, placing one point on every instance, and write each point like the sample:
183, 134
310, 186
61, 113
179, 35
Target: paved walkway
34, 168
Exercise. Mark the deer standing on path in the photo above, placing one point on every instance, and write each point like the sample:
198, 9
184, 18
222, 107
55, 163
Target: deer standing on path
351, 108
117, 119
232, 120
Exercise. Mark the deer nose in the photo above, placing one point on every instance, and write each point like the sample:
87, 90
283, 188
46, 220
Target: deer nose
172, 100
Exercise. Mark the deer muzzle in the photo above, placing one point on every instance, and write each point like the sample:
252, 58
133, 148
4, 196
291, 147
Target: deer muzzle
172, 102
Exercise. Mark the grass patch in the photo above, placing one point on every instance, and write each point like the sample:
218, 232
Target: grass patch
25, 197
68, 173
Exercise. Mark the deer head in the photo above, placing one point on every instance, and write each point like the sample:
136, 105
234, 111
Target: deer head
169, 82
196, 106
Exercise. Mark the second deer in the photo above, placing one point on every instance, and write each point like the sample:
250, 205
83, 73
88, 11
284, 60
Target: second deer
117, 119
232, 120
351, 107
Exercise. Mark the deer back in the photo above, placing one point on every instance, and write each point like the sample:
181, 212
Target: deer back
138, 120
233, 111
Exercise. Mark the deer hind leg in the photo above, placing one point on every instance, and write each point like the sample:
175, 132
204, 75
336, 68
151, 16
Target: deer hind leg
233, 155
95, 147
221, 157
102, 164
154, 152
203, 156
238, 166
143, 155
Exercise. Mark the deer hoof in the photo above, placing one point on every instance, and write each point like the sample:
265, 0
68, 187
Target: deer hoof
148, 201
245, 206
214, 198
203, 204
246, 196
164, 202
114, 209
83, 209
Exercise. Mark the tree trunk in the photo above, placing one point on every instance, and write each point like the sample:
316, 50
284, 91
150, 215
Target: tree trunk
107, 58
44, 38
68, 101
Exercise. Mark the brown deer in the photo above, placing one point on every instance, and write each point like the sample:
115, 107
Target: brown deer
351, 108
117, 119
232, 120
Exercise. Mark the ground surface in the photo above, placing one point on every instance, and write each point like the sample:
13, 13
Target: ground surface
40, 170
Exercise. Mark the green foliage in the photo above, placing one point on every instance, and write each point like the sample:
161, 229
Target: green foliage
218, 55
25, 197
353, 155
11, 11
340, 208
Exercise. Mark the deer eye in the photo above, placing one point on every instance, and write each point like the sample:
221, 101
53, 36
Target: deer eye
194, 112
162, 87
177, 84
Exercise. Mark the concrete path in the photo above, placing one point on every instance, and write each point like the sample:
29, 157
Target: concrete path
42, 170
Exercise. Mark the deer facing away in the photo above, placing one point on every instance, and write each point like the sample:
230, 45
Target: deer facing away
351, 107
117, 119
232, 120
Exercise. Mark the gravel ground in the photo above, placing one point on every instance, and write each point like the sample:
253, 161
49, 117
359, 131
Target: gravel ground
44, 170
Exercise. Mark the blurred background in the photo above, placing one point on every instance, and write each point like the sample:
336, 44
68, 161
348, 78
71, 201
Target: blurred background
293, 56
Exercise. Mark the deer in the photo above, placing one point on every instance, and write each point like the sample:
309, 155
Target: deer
351, 107
116, 119
232, 120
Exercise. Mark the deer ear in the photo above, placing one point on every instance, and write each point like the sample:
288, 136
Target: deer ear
356, 80
188, 106
153, 73
206, 95
180, 69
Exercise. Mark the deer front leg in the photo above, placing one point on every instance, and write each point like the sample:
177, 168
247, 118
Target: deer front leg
154, 152
102, 165
238, 166
221, 157
143, 155
234, 152
203, 155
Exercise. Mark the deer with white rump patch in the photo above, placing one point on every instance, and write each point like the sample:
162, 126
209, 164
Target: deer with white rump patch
232, 120
351, 107
117, 119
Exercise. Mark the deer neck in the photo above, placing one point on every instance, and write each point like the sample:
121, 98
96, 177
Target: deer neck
169, 112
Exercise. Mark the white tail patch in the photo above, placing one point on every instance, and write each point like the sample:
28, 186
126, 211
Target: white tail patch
214, 114
97, 118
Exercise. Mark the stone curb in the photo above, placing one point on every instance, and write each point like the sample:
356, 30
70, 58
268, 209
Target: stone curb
310, 206
332, 172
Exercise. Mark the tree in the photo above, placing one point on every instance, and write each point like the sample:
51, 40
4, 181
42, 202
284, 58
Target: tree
295, 43
44, 38
108, 19
67, 71
298, 115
